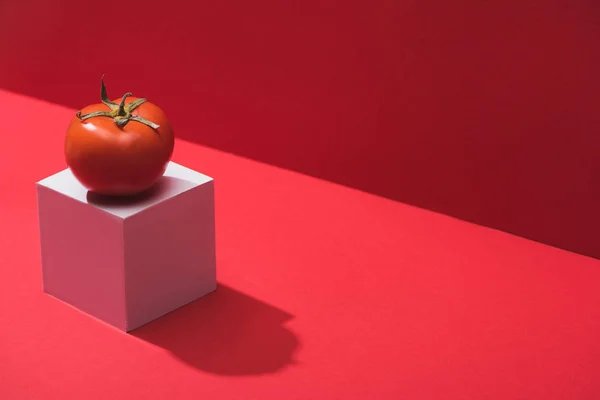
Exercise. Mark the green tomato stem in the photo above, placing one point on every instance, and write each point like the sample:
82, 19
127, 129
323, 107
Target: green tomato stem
120, 113
111, 104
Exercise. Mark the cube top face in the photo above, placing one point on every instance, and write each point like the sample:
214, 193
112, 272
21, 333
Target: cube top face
176, 180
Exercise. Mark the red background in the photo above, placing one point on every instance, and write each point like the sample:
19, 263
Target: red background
482, 110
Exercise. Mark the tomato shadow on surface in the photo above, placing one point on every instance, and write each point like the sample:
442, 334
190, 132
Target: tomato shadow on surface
226, 333
162, 189
100, 199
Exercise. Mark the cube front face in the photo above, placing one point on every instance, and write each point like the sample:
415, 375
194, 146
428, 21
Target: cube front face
127, 270
170, 255
82, 256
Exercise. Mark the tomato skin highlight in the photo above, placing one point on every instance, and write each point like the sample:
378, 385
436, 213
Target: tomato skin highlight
119, 161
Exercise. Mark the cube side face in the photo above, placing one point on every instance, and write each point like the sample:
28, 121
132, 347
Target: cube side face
82, 256
170, 255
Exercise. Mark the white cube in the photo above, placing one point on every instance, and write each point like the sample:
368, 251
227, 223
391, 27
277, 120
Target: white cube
127, 261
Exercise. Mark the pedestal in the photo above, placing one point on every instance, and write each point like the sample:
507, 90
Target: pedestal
127, 261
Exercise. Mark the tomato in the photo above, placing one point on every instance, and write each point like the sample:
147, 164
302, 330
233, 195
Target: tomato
119, 147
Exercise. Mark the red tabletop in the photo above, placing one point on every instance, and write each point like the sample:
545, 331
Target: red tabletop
325, 293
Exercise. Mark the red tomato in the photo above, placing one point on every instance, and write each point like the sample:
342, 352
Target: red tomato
119, 147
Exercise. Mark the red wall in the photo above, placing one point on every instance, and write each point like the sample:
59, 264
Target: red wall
486, 110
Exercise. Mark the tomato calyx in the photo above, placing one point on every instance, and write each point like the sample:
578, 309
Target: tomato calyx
120, 113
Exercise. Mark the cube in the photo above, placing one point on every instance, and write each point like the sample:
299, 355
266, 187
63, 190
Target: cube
127, 261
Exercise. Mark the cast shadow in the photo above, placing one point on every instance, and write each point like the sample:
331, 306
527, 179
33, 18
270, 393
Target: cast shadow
225, 333
100, 199
164, 186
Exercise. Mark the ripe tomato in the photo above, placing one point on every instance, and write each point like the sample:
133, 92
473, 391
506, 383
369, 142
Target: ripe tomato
119, 147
